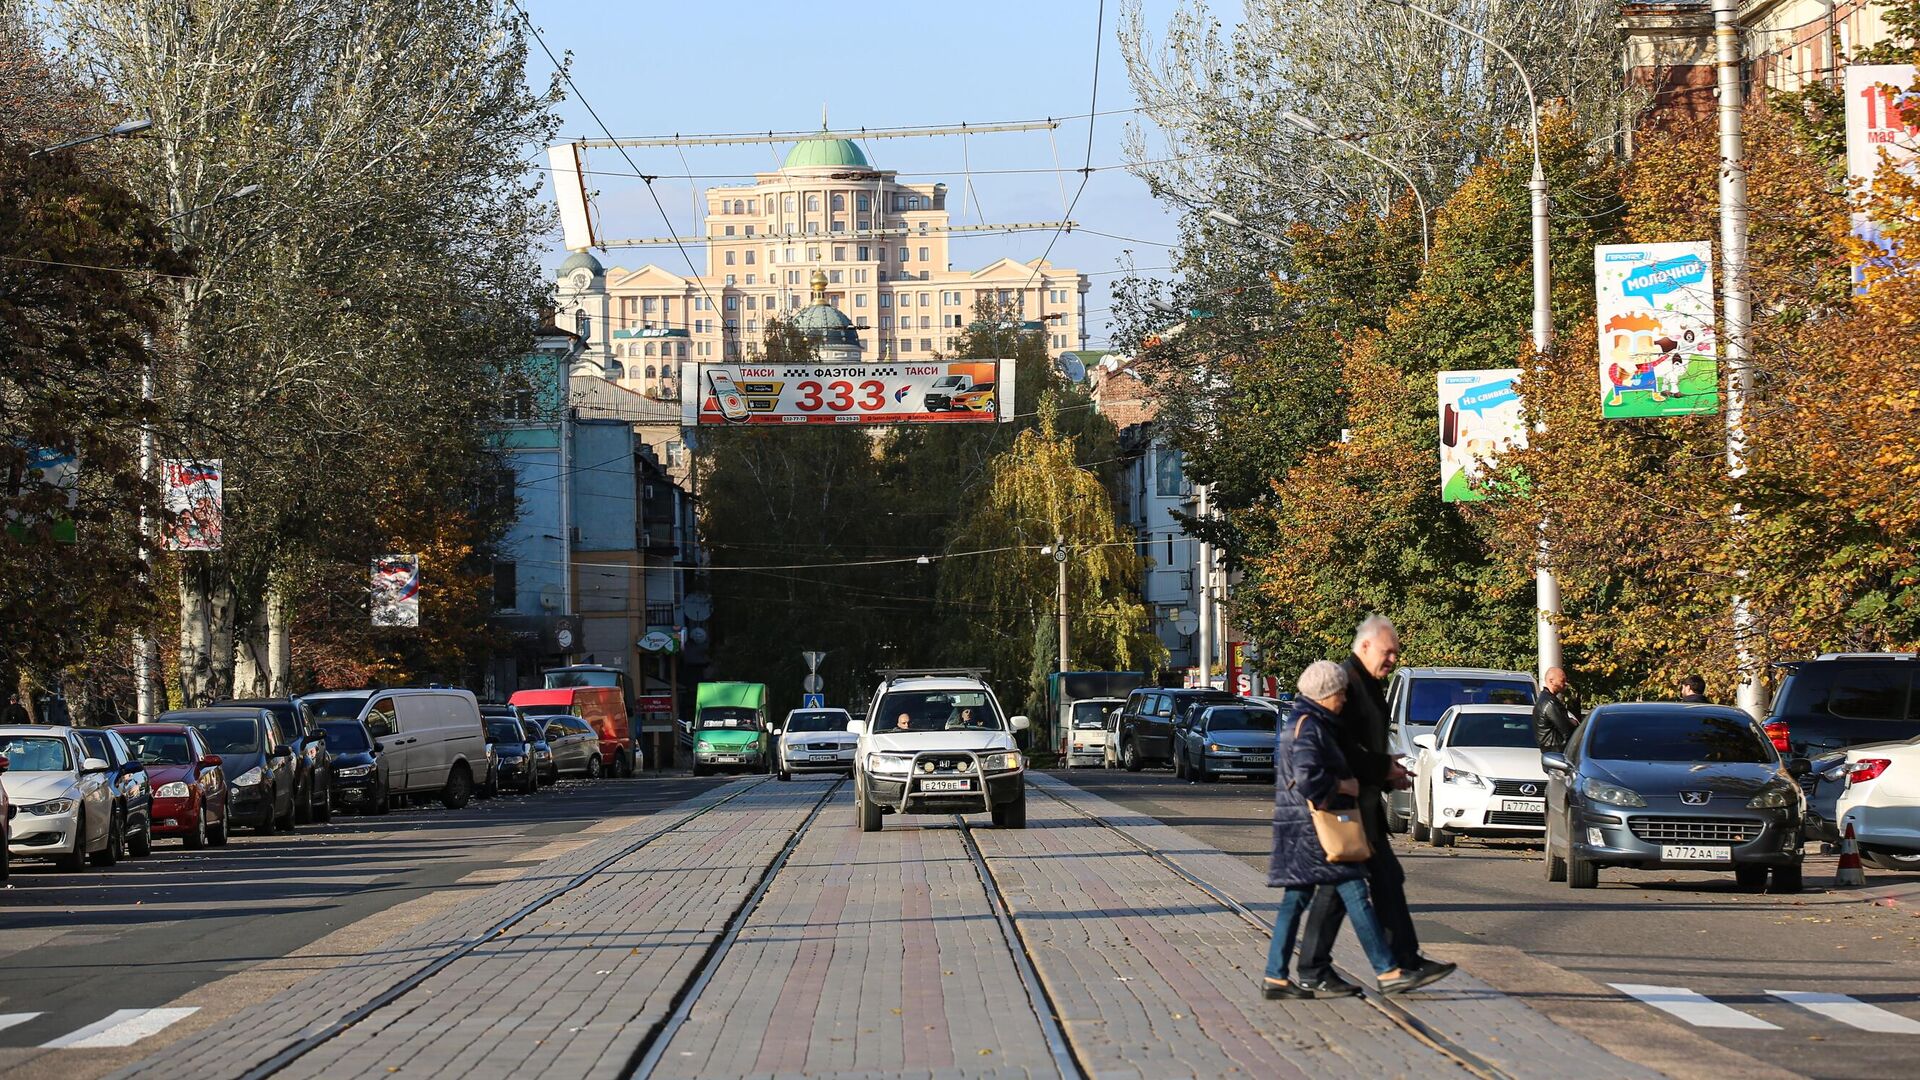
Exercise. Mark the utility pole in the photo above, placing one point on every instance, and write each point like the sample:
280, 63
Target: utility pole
1060, 594
1736, 307
1201, 580
146, 651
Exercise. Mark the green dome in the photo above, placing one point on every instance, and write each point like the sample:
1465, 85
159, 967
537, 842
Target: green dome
581, 260
826, 152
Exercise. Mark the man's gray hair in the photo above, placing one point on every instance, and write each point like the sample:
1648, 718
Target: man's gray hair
1368, 627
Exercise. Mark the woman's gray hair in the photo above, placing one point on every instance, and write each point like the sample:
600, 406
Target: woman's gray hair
1368, 627
1322, 680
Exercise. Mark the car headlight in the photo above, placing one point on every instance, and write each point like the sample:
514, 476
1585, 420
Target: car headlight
1774, 796
703, 745
248, 778
51, 807
1461, 776
889, 765
352, 771
1217, 748
1611, 794
175, 790
1005, 762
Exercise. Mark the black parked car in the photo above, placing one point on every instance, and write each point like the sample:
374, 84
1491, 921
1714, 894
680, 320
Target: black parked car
544, 768
1836, 701
510, 757
312, 757
256, 759
132, 793
1152, 718
1677, 787
359, 776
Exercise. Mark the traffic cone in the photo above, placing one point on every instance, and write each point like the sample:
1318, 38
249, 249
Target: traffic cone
1850, 872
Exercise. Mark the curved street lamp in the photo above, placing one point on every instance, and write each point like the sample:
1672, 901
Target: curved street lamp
1312, 128
117, 131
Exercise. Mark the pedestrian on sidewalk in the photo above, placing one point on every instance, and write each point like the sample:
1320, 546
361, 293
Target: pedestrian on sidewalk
1313, 774
16, 713
1360, 729
1693, 689
1553, 722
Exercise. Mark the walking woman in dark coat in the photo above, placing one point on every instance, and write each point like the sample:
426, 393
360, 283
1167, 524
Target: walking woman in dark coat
1311, 770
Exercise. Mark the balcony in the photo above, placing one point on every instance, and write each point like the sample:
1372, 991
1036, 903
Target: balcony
663, 615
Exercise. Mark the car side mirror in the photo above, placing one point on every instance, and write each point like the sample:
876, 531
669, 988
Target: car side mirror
1424, 742
210, 761
1021, 723
1555, 763
858, 727
94, 765
1799, 767
283, 751
776, 729
378, 746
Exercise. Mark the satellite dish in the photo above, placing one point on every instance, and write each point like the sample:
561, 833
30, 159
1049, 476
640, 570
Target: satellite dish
1074, 368
1186, 622
698, 606
697, 635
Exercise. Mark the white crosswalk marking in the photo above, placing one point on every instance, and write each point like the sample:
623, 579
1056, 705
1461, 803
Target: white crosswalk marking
8, 1020
1695, 1009
1852, 1012
123, 1027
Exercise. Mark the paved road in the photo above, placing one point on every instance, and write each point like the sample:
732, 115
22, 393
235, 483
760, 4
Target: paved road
1693, 933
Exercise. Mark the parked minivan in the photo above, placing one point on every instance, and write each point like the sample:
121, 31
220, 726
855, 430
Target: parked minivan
604, 709
428, 740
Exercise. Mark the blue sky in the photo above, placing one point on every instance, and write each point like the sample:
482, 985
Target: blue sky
647, 69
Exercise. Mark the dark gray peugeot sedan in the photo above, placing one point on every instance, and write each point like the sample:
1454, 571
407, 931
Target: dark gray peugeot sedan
1676, 787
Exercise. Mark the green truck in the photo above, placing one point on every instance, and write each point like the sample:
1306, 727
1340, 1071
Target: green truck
730, 728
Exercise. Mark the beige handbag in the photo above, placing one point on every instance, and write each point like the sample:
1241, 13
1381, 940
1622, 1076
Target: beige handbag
1342, 833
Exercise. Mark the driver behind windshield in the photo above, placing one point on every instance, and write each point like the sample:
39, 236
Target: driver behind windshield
965, 718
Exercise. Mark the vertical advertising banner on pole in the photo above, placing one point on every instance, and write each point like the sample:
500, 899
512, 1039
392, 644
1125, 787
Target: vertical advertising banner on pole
1655, 309
396, 590
1876, 107
191, 499
1479, 418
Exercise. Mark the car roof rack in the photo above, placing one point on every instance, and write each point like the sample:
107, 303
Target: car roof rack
894, 675
1868, 656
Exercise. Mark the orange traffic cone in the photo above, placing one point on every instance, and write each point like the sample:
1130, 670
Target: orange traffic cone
1850, 872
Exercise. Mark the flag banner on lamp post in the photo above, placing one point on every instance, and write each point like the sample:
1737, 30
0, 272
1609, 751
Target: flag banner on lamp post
1877, 96
1479, 418
396, 590
1657, 348
191, 500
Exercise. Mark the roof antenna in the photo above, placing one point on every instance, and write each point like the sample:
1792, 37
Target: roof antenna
823, 116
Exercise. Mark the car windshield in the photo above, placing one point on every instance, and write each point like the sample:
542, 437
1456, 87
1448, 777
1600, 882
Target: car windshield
346, 737
1678, 735
504, 731
1185, 703
160, 747
337, 708
1241, 720
818, 720
1090, 715
35, 753
229, 736
938, 710
1429, 697
1492, 729
532, 729
726, 716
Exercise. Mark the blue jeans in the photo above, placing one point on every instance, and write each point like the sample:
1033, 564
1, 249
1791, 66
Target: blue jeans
1353, 897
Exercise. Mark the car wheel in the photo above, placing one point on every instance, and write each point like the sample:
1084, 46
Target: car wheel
285, 821
1419, 827
324, 813
1011, 815
303, 804
1130, 757
1556, 866
1581, 873
6, 862
140, 844
1750, 876
380, 802
1439, 837
197, 839
75, 860
116, 838
459, 789
217, 834
785, 775
1179, 764
1889, 860
625, 766
265, 825
868, 810
1786, 879
699, 769
593, 767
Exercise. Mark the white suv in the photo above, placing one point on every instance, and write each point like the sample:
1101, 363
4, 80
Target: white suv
936, 742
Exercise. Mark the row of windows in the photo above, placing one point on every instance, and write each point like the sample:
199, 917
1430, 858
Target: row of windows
646, 349
862, 201
863, 253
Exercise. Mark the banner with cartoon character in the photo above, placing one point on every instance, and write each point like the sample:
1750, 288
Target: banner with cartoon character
191, 500
396, 590
1479, 418
1655, 309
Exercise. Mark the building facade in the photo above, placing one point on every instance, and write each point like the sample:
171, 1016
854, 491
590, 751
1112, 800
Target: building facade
878, 246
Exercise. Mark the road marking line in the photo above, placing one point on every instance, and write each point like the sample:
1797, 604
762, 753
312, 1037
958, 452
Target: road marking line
123, 1027
1851, 1012
8, 1020
1696, 1009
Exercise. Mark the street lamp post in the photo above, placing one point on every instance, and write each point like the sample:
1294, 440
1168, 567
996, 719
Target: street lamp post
1313, 128
117, 131
1547, 605
1232, 222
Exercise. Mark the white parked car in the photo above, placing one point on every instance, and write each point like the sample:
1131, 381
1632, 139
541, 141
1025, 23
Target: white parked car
1478, 774
1881, 800
62, 799
816, 740
936, 742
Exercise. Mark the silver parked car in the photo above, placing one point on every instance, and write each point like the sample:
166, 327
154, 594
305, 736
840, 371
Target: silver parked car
62, 799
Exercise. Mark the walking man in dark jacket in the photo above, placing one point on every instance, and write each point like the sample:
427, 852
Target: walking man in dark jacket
1361, 731
1553, 723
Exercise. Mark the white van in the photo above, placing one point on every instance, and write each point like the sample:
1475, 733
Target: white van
425, 740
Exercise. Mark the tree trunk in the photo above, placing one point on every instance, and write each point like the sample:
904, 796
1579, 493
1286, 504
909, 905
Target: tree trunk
206, 632
279, 643
250, 658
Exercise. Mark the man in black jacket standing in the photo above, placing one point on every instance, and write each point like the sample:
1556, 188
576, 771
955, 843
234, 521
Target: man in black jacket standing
1362, 733
1553, 722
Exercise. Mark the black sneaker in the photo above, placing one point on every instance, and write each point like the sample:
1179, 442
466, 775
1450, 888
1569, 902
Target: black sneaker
1278, 989
1429, 971
1333, 986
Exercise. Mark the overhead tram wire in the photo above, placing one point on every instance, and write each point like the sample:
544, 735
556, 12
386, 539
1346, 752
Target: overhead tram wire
1086, 166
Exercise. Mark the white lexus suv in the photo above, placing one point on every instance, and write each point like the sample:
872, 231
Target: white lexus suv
936, 742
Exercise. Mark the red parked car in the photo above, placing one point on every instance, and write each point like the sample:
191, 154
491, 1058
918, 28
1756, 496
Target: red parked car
189, 791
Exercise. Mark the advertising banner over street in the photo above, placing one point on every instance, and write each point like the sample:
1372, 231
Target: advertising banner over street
936, 392
396, 590
1877, 122
190, 497
1479, 418
1655, 309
